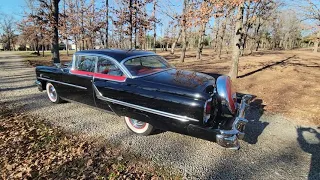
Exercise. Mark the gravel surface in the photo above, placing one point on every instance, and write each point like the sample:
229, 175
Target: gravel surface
274, 148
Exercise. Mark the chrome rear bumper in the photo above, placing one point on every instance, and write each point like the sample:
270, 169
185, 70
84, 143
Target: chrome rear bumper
230, 138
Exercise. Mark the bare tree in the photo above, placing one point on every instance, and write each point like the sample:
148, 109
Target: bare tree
184, 30
312, 12
8, 27
204, 13
223, 30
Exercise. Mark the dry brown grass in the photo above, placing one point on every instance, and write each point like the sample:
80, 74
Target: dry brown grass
286, 81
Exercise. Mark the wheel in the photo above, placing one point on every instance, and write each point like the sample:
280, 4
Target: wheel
139, 127
52, 93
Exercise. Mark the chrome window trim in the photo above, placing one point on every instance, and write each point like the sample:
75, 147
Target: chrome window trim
74, 59
150, 110
123, 69
59, 82
143, 55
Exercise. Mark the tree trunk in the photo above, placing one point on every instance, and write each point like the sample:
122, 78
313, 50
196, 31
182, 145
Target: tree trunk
154, 26
135, 24
107, 24
183, 33
200, 42
217, 25
237, 42
175, 42
131, 23
42, 49
223, 30
37, 46
245, 30
316, 43
55, 39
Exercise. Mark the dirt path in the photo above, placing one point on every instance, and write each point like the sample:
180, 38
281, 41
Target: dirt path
274, 148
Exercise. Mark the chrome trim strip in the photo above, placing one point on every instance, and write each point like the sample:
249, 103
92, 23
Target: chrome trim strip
144, 55
141, 55
157, 112
59, 82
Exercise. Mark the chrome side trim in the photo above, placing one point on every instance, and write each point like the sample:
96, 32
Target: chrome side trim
59, 82
149, 110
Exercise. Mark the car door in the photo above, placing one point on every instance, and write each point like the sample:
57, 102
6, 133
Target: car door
109, 81
78, 80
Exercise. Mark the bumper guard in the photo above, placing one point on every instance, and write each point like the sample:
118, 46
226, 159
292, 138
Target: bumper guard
39, 85
230, 138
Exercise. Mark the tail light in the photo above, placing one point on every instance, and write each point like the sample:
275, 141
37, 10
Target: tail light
207, 110
208, 107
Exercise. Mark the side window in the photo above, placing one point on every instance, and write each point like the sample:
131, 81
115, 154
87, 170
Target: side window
106, 66
85, 63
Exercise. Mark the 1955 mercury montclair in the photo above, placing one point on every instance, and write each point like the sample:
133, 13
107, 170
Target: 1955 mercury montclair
150, 94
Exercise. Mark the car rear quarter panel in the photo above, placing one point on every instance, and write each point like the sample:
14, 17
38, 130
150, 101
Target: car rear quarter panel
161, 98
49, 73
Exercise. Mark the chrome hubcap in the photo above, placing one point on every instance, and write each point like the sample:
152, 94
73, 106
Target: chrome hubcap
137, 124
52, 93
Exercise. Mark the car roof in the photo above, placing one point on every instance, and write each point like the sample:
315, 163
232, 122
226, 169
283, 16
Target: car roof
117, 54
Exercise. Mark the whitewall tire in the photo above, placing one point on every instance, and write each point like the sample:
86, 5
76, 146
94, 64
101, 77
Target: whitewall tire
52, 93
139, 127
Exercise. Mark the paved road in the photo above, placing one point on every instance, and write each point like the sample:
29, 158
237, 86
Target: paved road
274, 148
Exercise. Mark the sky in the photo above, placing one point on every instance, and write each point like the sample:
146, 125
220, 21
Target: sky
16, 8
13, 7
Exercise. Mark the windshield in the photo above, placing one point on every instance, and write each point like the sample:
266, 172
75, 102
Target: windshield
146, 65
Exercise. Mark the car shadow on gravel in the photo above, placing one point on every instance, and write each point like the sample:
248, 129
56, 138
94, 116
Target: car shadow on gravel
254, 127
309, 141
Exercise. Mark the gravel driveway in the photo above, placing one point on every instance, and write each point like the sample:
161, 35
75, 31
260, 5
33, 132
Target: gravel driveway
274, 148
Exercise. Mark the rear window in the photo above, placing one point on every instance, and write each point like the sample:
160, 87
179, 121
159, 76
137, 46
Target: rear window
146, 65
